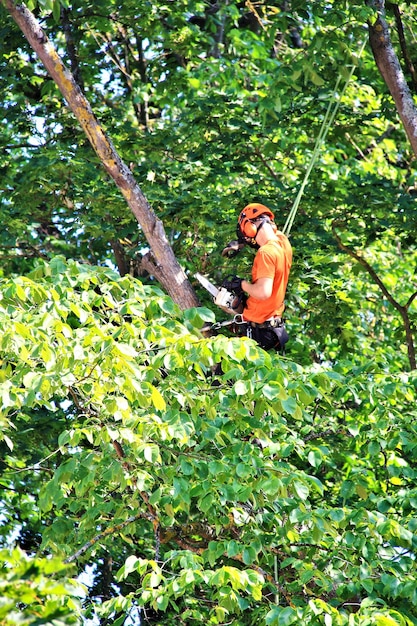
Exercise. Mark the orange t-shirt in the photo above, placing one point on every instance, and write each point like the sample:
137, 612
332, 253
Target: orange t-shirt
273, 260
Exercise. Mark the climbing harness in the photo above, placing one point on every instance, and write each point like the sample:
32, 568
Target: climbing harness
237, 319
270, 334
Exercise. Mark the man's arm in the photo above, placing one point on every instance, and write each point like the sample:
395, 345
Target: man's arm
260, 289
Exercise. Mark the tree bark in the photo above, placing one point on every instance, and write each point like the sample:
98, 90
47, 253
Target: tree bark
165, 267
390, 69
403, 44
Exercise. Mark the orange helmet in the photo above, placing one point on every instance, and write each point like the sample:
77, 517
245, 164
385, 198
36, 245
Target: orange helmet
246, 228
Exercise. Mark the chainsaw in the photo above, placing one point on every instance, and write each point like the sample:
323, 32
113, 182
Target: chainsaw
223, 298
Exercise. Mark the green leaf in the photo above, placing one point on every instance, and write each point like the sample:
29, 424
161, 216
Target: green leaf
279, 616
315, 458
199, 316
271, 391
56, 10
290, 406
151, 453
130, 565
125, 350
8, 441
157, 399
301, 490
241, 387
248, 555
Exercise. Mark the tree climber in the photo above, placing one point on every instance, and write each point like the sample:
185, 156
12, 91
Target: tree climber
264, 306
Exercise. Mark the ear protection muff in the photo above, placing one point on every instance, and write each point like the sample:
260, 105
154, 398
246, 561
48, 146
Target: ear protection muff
249, 229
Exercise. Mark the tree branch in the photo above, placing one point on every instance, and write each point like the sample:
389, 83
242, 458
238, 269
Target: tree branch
390, 70
168, 271
108, 531
403, 310
411, 299
366, 265
68, 29
403, 44
362, 154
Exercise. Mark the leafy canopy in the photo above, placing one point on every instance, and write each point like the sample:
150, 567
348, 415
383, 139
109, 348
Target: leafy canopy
213, 106
281, 492
274, 492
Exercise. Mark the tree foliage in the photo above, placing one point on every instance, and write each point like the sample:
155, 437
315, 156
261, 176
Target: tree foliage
256, 98
275, 492
281, 492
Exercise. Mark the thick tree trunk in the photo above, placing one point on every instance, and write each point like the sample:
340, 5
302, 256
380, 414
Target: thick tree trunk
165, 266
390, 69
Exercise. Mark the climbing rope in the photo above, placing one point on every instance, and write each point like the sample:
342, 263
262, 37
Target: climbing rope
324, 129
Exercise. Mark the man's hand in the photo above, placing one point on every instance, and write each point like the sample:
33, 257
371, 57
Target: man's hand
261, 289
233, 284
232, 249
